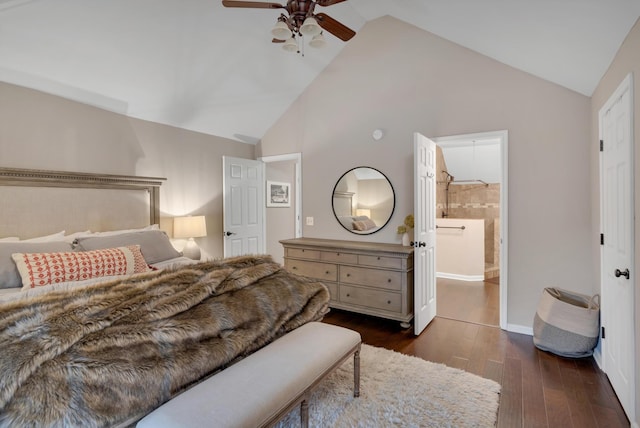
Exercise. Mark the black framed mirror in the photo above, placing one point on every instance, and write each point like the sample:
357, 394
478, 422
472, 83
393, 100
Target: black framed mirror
363, 200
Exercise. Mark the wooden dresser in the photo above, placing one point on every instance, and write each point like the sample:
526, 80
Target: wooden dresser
369, 278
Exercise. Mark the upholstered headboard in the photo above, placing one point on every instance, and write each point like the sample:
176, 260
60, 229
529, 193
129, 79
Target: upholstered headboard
39, 202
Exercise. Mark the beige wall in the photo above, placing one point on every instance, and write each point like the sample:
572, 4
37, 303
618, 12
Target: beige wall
626, 61
47, 132
401, 79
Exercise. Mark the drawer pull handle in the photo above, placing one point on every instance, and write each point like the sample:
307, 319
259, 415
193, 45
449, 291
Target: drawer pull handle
389, 280
327, 273
378, 258
348, 295
294, 267
388, 302
348, 275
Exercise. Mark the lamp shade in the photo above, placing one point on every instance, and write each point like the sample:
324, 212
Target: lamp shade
310, 27
290, 45
281, 31
189, 227
317, 41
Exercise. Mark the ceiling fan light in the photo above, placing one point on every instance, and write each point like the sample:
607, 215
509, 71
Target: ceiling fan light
310, 27
281, 31
318, 41
290, 45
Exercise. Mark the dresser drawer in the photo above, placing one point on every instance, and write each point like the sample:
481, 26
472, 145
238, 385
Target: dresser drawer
303, 254
371, 298
322, 271
380, 261
333, 290
338, 257
388, 279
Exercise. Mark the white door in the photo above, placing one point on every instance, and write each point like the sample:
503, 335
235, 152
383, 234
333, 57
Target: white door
243, 206
617, 293
424, 232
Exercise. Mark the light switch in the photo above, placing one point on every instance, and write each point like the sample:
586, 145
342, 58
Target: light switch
309, 221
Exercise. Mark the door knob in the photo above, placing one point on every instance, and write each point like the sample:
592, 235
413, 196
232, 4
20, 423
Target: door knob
229, 233
624, 273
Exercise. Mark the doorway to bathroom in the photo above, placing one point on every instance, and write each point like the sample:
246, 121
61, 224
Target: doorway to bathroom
471, 220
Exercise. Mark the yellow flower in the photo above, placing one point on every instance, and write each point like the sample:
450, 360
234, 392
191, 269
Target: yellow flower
408, 221
402, 229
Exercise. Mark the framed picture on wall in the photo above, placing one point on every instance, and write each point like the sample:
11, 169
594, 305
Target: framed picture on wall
278, 194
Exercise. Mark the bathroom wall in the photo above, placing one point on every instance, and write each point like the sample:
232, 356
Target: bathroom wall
459, 243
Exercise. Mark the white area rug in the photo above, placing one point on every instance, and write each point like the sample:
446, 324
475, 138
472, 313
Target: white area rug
397, 390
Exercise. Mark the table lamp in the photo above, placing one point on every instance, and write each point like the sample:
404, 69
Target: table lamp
190, 227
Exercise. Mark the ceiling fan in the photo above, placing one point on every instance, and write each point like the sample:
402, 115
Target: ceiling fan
301, 21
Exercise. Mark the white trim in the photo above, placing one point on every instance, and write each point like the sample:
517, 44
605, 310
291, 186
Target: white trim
297, 158
459, 277
514, 328
504, 215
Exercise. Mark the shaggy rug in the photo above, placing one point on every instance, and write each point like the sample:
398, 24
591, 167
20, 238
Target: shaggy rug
401, 391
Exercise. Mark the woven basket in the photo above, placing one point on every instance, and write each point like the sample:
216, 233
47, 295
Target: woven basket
567, 323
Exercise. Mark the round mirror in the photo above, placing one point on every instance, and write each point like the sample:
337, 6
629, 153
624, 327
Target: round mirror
363, 200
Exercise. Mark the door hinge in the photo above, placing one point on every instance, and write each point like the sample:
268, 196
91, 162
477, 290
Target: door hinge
601, 145
602, 332
602, 239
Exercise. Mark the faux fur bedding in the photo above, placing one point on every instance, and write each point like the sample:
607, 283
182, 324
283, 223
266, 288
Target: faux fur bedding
98, 355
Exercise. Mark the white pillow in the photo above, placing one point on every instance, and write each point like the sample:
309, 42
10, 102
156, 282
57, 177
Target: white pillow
72, 236
55, 237
120, 232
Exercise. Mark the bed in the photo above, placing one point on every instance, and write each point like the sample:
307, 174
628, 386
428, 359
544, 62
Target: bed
90, 344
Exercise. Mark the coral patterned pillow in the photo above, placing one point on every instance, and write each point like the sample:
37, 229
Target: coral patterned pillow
38, 269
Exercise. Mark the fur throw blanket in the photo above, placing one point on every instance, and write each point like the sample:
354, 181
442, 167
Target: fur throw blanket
99, 355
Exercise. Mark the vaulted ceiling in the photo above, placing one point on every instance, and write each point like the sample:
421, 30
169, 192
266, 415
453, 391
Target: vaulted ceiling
197, 65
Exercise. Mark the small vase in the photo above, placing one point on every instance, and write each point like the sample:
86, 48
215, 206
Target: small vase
405, 239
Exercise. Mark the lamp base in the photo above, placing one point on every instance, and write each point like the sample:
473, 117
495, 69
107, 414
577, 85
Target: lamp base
191, 250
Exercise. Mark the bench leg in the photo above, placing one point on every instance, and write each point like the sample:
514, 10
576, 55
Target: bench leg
304, 413
356, 374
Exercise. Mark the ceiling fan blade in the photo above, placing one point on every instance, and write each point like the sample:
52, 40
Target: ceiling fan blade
252, 4
328, 2
334, 27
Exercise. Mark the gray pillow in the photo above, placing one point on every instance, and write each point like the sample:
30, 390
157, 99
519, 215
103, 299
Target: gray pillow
9, 275
154, 244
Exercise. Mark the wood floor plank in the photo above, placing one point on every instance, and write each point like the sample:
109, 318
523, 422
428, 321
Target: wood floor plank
558, 410
510, 410
550, 371
493, 370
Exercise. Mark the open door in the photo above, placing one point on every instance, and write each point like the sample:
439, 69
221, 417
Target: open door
424, 231
243, 206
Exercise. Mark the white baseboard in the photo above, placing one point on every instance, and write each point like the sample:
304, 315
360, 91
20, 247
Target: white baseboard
514, 328
460, 277
597, 355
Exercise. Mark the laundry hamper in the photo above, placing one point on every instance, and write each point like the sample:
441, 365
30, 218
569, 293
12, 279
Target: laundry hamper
567, 323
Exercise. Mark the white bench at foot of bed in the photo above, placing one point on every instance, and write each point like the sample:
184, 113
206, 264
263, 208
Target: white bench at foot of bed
262, 388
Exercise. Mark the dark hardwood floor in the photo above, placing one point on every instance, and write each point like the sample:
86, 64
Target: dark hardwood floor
471, 301
539, 389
